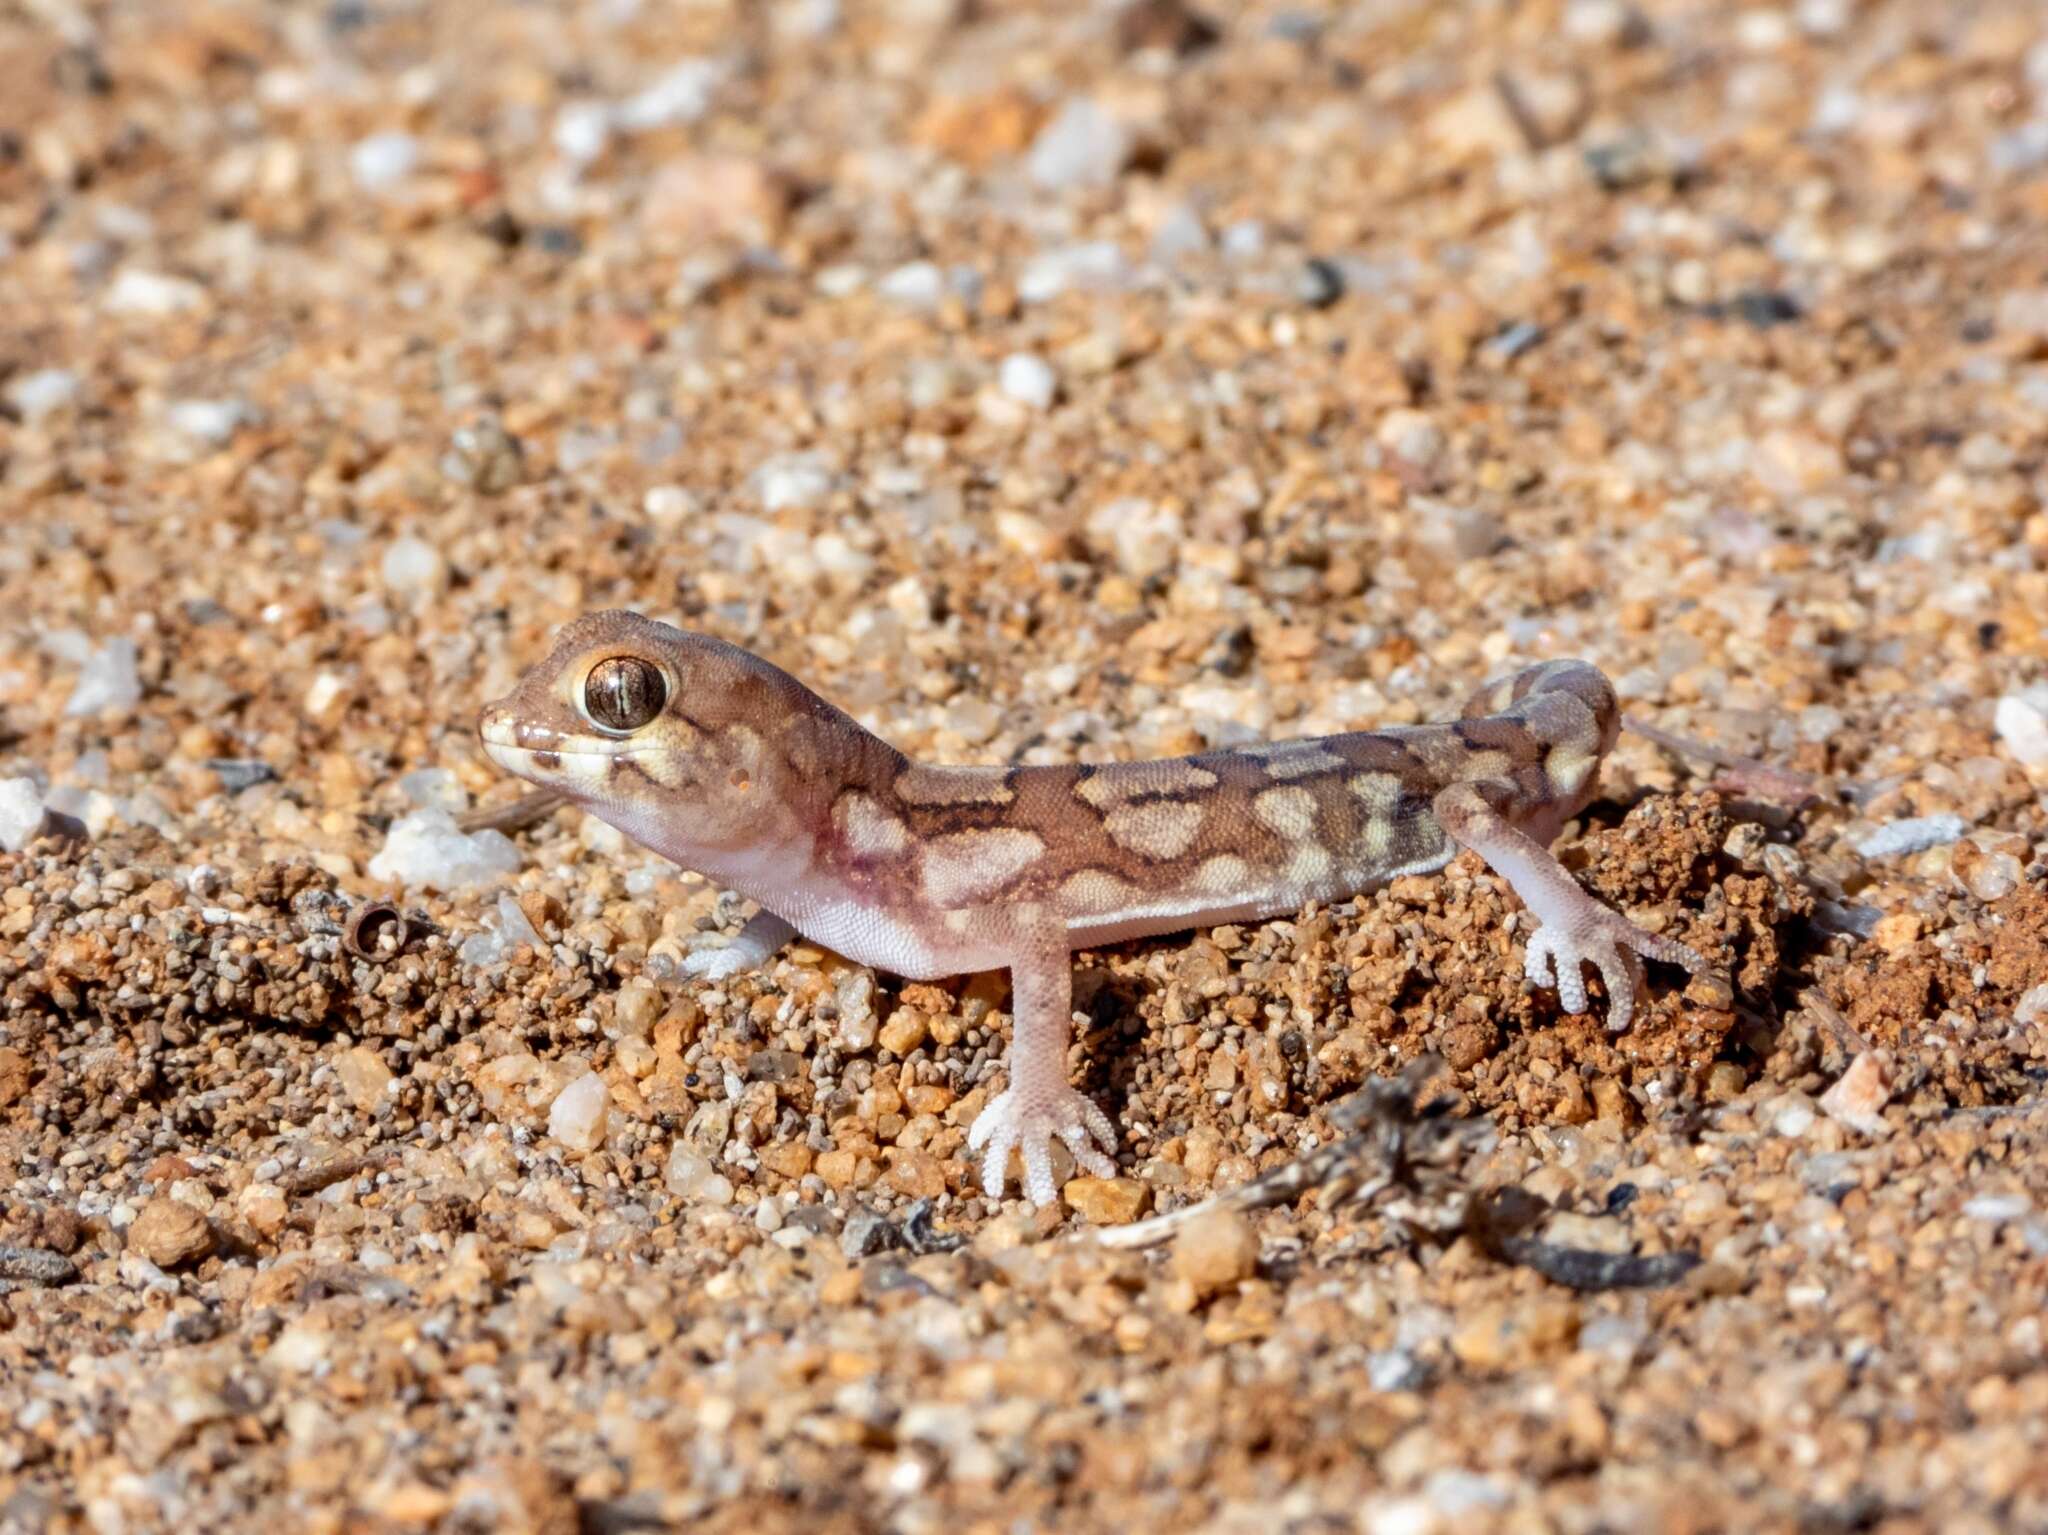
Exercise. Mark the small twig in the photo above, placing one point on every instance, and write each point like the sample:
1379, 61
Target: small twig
311, 1180
1847, 1035
515, 815
1781, 785
1395, 1143
1579, 1269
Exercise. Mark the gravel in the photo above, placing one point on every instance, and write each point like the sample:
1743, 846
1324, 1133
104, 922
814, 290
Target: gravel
984, 365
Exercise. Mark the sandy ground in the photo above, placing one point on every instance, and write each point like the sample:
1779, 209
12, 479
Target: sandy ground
1039, 382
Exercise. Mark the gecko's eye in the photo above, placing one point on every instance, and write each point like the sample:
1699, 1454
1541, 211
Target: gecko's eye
623, 693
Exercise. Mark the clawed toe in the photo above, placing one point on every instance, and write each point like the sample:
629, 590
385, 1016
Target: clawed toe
1614, 947
1028, 1128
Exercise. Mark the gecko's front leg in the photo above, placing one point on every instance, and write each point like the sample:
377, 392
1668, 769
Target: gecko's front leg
1576, 930
1040, 1103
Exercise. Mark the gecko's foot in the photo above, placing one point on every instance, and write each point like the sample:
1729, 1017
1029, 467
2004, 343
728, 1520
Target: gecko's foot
717, 964
1611, 944
1028, 1124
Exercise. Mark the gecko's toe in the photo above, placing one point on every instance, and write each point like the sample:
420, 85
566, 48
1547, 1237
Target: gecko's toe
1672, 952
1038, 1184
713, 964
995, 1147
1555, 960
1612, 945
1086, 1155
1622, 974
1029, 1126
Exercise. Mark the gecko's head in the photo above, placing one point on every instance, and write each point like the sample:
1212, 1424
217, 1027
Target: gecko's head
655, 729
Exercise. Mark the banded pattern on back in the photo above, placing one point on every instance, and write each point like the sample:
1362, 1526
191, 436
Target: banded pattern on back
1265, 828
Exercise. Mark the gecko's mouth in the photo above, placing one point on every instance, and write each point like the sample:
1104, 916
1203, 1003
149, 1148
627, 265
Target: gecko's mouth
528, 760
538, 751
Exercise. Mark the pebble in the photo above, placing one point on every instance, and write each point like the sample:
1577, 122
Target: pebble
706, 196
107, 680
1791, 1116
1178, 234
2032, 1009
915, 285
1395, 1369
1914, 834
582, 131
1987, 871
1097, 266
793, 481
1145, 536
364, 1077
1029, 380
868, 1232
264, 1207
691, 1177
1604, 23
21, 813
2021, 720
1082, 146
1319, 283
2021, 152
154, 294
578, 1117
413, 569
1215, 1251
426, 848
2023, 312
710, 1126
1171, 25
1858, 1097
42, 392
209, 421
169, 1232
484, 456
1243, 240
1998, 1207
855, 995
1412, 436
1789, 464
1107, 1201
639, 1004
495, 944
682, 94
381, 161
670, 506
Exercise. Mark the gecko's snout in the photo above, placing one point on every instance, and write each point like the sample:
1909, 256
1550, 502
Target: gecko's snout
494, 724
513, 743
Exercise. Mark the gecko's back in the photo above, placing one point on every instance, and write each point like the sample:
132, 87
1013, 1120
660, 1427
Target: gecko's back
1123, 849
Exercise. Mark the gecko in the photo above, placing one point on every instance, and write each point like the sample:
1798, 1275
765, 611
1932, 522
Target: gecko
729, 766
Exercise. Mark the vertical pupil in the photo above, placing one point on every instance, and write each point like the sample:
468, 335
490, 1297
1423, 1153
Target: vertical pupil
624, 694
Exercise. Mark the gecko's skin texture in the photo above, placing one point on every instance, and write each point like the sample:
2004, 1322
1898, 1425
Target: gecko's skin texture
729, 766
